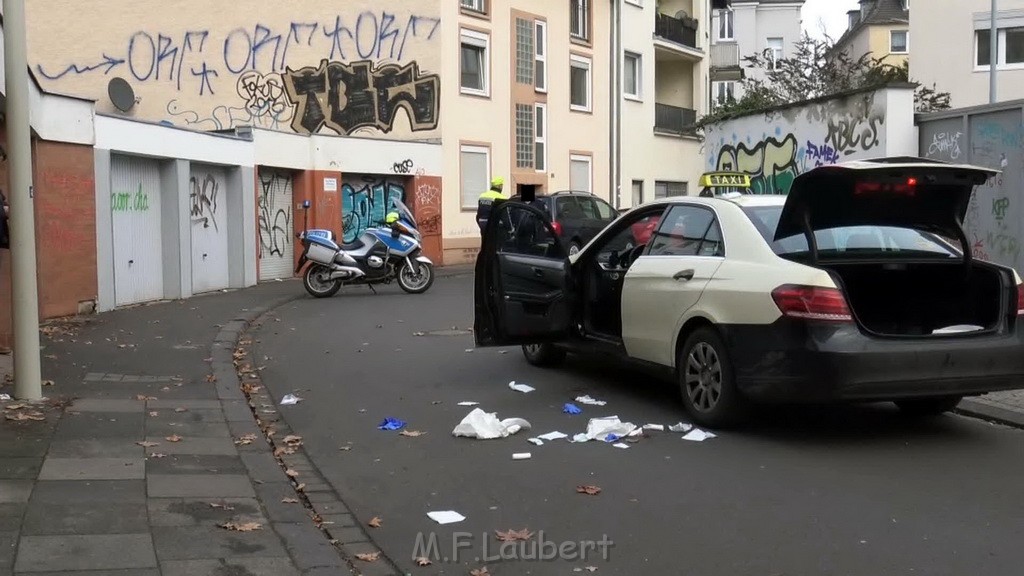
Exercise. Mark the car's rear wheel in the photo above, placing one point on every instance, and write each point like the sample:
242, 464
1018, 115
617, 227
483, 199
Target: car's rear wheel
546, 355
929, 406
707, 382
574, 247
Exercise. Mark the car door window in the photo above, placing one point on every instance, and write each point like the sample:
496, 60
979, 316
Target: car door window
525, 233
602, 210
687, 231
567, 208
624, 238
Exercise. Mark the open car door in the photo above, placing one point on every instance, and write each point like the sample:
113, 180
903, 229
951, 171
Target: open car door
523, 286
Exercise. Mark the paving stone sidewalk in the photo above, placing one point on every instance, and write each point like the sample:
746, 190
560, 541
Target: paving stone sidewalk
145, 459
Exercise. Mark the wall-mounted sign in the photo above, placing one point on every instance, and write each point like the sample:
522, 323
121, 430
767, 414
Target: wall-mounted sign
330, 184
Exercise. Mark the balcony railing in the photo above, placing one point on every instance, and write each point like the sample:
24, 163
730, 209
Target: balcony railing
680, 31
725, 55
674, 120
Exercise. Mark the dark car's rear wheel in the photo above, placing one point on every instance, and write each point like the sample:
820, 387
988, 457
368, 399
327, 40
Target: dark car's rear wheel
574, 247
929, 406
707, 382
546, 355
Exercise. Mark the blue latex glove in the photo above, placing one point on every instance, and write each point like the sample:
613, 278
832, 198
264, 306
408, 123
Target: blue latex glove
391, 424
571, 409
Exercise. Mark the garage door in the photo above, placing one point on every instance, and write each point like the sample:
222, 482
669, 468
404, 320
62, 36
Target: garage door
135, 217
275, 222
209, 217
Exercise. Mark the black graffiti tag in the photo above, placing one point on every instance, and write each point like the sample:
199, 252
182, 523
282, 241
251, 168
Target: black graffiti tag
204, 200
849, 136
345, 97
403, 167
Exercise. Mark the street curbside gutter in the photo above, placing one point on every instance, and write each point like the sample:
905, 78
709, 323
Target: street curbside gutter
990, 413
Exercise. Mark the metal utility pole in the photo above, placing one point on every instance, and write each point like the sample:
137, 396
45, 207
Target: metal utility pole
24, 295
993, 56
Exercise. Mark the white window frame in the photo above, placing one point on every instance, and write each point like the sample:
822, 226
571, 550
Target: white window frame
590, 171
474, 5
583, 9
904, 32
638, 71
730, 88
1000, 49
468, 198
540, 54
587, 64
540, 136
721, 28
781, 50
479, 40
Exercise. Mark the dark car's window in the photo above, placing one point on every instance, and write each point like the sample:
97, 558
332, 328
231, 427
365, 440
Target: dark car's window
623, 240
851, 240
596, 209
522, 231
687, 231
567, 209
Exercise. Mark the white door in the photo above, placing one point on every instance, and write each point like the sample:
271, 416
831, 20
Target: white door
668, 280
275, 224
135, 218
208, 217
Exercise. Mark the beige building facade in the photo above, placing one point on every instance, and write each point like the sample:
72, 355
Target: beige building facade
880, 28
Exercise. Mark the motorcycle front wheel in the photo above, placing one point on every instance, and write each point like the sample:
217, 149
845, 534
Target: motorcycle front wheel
318, 283
413, 282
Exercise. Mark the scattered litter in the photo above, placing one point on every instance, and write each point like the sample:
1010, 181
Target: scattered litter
611, 438
602, 427
680, 427
5, 397
469, 350
621, 445
636, 432
580, 438
521, 456
391, 424
520, 387
535, 441
486, 426
446, 517
571, 409
553, 436
469, 404
658, 427
591, 401
589, 490
290, 399
698, 435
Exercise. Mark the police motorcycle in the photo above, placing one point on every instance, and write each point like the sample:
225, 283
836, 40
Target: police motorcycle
388, 251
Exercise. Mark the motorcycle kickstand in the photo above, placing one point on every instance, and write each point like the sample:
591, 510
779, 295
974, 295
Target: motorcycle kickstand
370, 286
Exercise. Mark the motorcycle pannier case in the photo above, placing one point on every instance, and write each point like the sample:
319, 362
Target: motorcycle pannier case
321, 250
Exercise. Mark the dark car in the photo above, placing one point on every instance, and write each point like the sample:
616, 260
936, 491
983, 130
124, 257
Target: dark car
576, 216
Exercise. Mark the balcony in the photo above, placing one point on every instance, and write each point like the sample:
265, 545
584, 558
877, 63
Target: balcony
725, 62
676, 37
674, 120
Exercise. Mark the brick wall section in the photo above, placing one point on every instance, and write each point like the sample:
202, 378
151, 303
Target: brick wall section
425, 203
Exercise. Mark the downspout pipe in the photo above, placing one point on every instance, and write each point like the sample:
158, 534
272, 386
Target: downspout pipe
615, 124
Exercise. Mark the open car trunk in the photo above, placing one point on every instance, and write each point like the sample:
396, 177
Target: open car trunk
920, 298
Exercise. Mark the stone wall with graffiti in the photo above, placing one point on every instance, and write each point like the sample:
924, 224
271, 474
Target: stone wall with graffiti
991, 136
776, 146
356, 68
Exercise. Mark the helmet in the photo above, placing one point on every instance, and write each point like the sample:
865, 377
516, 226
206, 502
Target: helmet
391, 218
497, 182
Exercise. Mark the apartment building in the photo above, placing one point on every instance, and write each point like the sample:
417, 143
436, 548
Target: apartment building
748, 27
882, 28
952, 49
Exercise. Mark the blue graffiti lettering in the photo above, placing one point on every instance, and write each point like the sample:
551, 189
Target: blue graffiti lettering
247, 52
365, 203
109, 62
293, 36
822, 155
164, 52
374, 34
204, 78
261, 37
335, 36
149, 60
187, 47
413, 20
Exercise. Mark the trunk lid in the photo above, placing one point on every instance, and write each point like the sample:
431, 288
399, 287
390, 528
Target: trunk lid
906, 193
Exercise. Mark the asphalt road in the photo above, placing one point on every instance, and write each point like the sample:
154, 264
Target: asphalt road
848, 491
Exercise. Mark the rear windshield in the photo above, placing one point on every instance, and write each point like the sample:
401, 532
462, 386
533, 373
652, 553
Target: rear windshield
852, 240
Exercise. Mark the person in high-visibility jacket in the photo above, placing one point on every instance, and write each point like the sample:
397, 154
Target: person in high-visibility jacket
486, 202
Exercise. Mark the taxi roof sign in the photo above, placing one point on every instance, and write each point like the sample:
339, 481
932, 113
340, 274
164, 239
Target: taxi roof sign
725, 179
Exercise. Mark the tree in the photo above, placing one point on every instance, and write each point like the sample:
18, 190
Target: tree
816, 70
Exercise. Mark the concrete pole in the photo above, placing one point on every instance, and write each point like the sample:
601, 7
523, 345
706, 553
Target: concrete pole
994, 56
25, 299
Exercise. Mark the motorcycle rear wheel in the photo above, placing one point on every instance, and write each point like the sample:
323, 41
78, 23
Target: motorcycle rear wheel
317, 282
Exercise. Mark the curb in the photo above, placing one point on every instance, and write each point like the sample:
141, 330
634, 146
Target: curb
455, 270
984, 411
342, 534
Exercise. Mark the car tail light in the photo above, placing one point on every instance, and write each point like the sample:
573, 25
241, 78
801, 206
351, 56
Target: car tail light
557, 227
812, 302
1020, 299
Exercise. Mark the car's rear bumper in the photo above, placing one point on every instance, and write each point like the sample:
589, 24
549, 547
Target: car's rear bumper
792, 361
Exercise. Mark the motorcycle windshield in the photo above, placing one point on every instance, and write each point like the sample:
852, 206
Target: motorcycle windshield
405, 213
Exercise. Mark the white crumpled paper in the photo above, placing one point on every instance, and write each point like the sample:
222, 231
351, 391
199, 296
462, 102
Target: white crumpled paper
698, 435
600, 428
486, 426
524, 388
590, 401
290, 400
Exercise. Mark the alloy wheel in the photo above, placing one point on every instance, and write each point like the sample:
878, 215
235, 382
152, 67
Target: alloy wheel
703, 377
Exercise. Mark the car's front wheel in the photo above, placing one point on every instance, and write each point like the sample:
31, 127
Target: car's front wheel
546, 355
929, 406
707, 381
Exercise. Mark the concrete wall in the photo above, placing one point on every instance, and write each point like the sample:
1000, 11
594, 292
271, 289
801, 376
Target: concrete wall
215, 65
777, 146
942, 44
991, 136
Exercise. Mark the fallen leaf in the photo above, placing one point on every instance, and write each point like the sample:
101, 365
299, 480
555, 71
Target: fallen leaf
48, 382
591, 568
148, 444
173, 438
345, 448
221, 506
374, 522
411, 433
291, 473
15, 406
180, 410
280, 451
245, 440
371, 557
243, 527
154, 414
480, 572
301, 487
513, 535
22, 416
157, 455
423, 561
144, 398
250, 388
290, 500
292, 440
211, 378
591, 490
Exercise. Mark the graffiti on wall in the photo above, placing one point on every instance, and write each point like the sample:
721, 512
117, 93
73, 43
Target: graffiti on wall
137, 201
428, 209
804, 137
365, 201
203, 194
211, 76
274, 220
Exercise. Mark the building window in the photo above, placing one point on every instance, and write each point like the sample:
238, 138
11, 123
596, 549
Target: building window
524, 135
638, 192
1010, 48
579, 173
723, 92
899, 41
725, 25
540, 139
774, 51
475, 63
579, 83
475, 5
579, 19
632, 75
474, 173
540, 66
524, 51
663, 189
